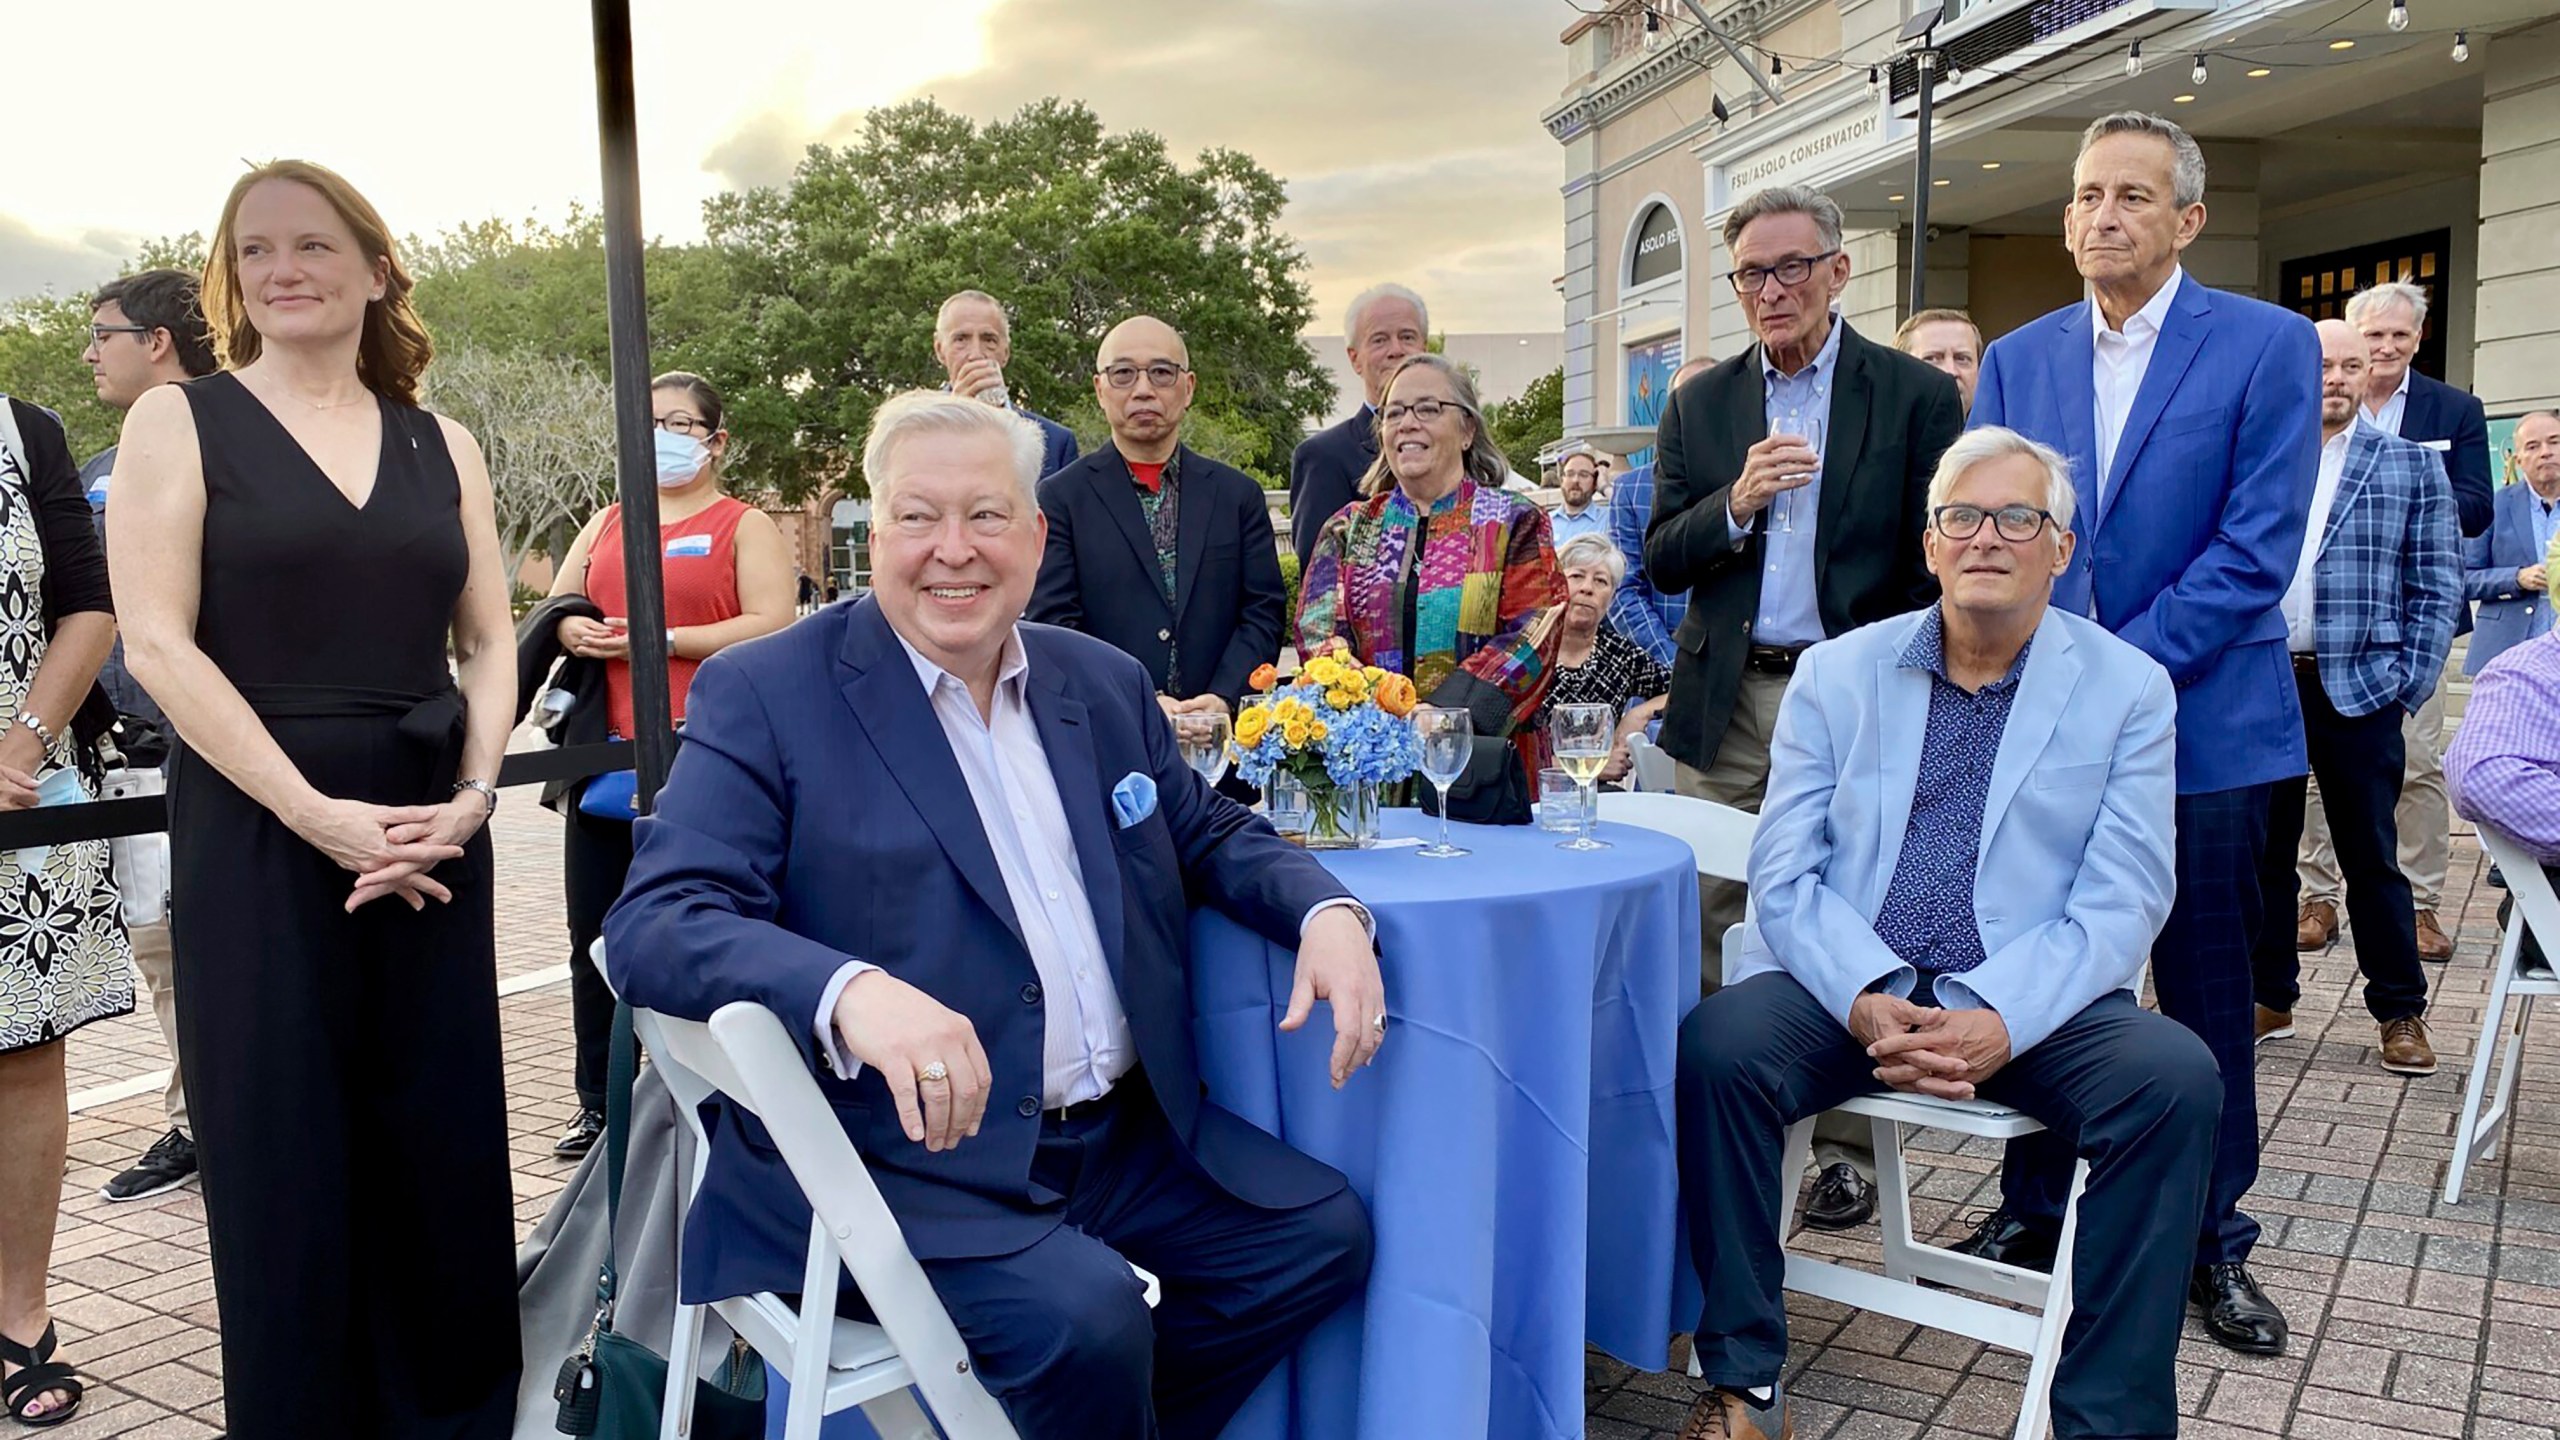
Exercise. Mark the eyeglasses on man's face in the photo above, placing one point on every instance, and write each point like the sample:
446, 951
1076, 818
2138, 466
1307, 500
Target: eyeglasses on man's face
1790, 272
1426, 411
683, 424
1162, 375
2016, 524
98, 333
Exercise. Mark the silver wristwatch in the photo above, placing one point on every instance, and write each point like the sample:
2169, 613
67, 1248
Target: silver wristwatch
44, 737
486, 791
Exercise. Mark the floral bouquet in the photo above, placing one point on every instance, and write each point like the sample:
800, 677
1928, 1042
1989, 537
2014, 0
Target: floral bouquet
1336, 733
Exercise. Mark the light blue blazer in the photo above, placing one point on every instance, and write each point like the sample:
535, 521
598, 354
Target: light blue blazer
2078, 861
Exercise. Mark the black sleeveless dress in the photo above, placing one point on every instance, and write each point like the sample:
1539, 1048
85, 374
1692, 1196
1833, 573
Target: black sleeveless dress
344, 1070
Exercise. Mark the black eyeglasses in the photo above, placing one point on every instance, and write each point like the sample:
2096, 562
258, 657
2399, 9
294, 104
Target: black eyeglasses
1794, 270
99, 333
684, 424
1161, 374
1427, 411
2016, 524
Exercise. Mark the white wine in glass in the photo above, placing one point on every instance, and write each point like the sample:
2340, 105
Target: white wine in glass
1583, 735
1448, 738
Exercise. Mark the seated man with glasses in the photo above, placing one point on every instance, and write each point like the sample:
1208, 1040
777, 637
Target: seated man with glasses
1155, 548
1965, 854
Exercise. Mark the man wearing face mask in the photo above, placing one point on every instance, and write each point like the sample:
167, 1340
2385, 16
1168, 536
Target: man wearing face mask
728, 578
1156, 549
973, 340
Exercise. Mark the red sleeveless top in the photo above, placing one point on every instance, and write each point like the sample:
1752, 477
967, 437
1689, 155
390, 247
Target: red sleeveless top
700, 566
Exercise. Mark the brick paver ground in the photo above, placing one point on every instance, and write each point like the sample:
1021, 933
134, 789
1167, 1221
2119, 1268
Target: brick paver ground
2409, 1316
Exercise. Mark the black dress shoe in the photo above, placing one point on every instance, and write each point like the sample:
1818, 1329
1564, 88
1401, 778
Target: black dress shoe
581, 1135
1841, 1199
2005, 1238
2236, 1312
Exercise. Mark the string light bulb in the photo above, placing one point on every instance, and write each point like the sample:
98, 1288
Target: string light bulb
2197, 75
1875, 77
2398, 19
1775, 67
2133, 60
2461, 46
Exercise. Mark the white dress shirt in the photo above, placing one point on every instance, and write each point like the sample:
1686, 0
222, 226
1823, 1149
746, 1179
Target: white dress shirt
2122, 358
2298, 596
2387, 416
1790, 612
1086, 1045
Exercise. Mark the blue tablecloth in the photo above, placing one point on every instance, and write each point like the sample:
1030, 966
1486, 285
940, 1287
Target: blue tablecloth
1517, 1161
1513, 1140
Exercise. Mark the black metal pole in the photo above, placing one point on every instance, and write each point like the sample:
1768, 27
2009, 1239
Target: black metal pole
635, 448
1926, 60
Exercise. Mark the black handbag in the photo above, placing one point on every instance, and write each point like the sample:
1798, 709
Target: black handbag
613, 1386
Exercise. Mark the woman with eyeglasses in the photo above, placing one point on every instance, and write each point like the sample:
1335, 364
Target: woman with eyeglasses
1442, 576
728, 578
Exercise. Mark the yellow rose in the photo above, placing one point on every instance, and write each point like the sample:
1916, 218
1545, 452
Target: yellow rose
1373, 674
1252, 725
1341, 699
1319, 730
1322, 671
1294, 732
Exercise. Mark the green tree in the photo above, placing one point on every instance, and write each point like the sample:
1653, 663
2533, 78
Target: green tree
838, 274
503, 286
545, 422
41, 338
1529, 422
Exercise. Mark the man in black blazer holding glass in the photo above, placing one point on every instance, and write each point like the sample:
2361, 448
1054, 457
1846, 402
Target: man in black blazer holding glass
1155, 548
1790, 490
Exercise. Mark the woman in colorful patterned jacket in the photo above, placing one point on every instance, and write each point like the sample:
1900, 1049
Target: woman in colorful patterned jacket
1438, 574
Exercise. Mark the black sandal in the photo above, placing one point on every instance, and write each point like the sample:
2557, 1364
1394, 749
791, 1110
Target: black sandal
39, 1374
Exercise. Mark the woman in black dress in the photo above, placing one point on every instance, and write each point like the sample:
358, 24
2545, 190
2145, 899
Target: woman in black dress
296, 544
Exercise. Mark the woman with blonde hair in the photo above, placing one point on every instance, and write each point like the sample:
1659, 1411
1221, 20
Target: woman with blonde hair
295, 546
1440, 575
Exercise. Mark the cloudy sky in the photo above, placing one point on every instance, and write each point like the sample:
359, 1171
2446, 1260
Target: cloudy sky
1407, 134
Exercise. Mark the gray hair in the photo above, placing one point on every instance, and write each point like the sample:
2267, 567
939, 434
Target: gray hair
939, 412
1991, 442
1361, 302
2186, 173
1584, 550
962, 297
1786, 200
1485, 463
2364, 302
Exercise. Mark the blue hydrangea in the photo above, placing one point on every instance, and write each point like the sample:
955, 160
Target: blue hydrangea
1361, 743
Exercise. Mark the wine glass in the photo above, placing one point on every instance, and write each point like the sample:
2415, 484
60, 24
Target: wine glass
1202, 736
1448, 737
1583, 734
1812, 430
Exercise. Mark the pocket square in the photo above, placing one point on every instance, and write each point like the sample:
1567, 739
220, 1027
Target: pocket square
1133, 799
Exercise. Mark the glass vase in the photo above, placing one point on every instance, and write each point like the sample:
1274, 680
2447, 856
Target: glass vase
1322, 815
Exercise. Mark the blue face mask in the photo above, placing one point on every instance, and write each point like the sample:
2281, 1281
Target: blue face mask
680, 458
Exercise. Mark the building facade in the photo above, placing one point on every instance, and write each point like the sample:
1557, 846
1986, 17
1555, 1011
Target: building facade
2341, 150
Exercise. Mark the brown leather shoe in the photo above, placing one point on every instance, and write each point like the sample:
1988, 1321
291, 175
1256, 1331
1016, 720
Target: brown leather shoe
2433, 944
2316, 926
2274, 1024
2405, 1049
1723, 1415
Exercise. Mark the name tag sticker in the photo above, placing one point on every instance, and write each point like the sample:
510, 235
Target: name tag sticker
689, 545
2437, 444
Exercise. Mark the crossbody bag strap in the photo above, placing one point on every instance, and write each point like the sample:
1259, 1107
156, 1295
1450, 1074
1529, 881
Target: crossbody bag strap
623, 1069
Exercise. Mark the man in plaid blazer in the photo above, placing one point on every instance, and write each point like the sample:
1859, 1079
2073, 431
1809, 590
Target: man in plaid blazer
2369, 618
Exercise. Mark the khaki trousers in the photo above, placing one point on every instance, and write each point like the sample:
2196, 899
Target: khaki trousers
151, 957
1740, 778
2425, 820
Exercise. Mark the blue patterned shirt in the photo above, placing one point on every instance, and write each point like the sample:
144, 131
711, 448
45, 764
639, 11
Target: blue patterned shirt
1927, 917
1638, 611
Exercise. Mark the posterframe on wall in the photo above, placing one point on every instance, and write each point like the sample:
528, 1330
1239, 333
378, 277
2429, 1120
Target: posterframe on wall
1649, 367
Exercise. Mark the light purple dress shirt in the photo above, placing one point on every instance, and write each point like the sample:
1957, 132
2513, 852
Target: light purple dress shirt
2503, 766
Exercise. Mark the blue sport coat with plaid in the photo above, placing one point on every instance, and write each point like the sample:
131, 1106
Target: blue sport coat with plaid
2388, 578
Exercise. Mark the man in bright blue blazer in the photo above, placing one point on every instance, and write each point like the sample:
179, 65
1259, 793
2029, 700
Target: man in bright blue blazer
2191, 418
952, 851
1965, 853
2507, 570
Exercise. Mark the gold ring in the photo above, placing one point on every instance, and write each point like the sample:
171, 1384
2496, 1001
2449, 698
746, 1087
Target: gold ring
935, 1071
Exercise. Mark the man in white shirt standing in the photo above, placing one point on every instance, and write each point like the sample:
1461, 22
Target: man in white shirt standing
2368, 618
1579, 511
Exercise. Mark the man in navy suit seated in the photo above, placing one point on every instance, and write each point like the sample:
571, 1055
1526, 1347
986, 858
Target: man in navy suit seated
952, 850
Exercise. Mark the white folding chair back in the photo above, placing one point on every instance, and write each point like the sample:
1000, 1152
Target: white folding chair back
2537, 911
833, 1364
1719, 835
1650, 765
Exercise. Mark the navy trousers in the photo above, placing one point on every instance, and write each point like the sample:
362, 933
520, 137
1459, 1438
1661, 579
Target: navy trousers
2131, 1091
2358, 759
1061, 1331
2201, 973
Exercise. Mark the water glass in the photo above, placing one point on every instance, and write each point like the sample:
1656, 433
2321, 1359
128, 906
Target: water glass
1782, 509
1559, 803
1202, 737
1447, 738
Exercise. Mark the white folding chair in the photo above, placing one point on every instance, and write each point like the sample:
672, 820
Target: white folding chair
2537, 911
1649, 765
833, 1364
1719, 835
